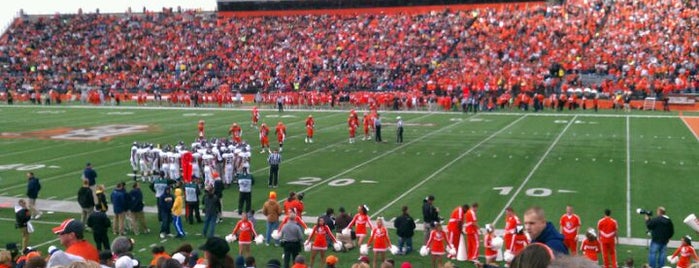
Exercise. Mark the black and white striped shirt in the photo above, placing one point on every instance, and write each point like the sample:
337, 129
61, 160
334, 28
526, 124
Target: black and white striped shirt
274, 159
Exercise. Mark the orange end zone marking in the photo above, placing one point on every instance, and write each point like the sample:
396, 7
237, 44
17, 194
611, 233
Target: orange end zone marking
693, 125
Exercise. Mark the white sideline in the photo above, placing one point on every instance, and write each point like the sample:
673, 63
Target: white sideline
438, 171
628, 177
536, 167
247, 108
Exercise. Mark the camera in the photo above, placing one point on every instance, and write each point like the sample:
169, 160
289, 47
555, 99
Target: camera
644, 212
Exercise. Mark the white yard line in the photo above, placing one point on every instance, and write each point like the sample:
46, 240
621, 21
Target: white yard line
378, 157
434, 174
628, 177
534, 169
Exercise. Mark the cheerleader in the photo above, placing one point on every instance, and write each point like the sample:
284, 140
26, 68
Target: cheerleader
519, 242
379, 236
245, 231
292, 213
361, 220
491, 252
591, 247
319, 236
685, 253
437, 243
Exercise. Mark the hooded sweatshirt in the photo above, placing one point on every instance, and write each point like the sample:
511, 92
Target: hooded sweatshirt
178, 204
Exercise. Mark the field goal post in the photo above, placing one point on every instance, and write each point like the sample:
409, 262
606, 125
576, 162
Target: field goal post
649, 104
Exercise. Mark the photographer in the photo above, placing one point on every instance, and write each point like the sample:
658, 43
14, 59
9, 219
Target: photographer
661, 230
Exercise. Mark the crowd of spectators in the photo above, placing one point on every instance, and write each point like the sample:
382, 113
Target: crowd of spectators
642, 46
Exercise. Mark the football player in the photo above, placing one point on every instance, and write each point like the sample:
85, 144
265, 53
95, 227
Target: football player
280, 130
310, 125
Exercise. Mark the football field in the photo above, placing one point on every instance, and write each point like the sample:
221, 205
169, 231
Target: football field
621, 161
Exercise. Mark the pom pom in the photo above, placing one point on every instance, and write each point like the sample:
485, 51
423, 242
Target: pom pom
394, 249
259, 239
308, 231
508, 256
337, 246
231, 238
424, 251
346, 232
276, 235
364, 250
451, 250
672, 260
307, 247
496, 243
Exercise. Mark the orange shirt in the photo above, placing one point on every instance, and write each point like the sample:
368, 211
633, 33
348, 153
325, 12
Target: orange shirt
361, 221
319, 236
608, 228
245, 231
380, 238
156, 257
685, 253
457, 217
488, 245
511, 224
471, 222
590, 249
570, 225
437, 241
84, 249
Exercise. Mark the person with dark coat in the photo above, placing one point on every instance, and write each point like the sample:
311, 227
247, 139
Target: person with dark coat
405, 228
165, 210
22, 217
211, 207
341, 222
542, 231
33, 188
99, 223
90, 175
430, 213
661, 230
86, 201
136, 210
120, 206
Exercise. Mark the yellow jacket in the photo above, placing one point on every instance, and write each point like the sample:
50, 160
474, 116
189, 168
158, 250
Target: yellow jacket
178, 205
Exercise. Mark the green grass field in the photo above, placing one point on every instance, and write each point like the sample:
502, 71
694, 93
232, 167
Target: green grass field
590, 161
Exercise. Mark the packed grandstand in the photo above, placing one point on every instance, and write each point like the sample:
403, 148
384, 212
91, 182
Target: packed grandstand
493, 54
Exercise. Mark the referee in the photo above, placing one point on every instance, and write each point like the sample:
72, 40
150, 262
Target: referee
274, 160
399, 130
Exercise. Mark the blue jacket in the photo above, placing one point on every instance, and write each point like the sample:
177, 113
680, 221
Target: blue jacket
552, 238
90, 175
33, 187
136, 202
120, 203
165, 202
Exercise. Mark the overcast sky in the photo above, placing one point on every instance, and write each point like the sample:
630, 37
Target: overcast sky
10, 8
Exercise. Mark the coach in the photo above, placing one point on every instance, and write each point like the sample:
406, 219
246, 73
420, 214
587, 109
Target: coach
274, 160
661, 230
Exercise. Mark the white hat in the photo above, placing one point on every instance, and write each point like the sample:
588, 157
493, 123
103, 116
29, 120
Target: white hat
179, 257
397, 117
125, 262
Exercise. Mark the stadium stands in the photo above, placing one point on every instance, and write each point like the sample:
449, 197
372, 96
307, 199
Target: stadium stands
639, 46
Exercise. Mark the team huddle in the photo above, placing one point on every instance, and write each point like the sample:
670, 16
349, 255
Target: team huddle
208, 159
